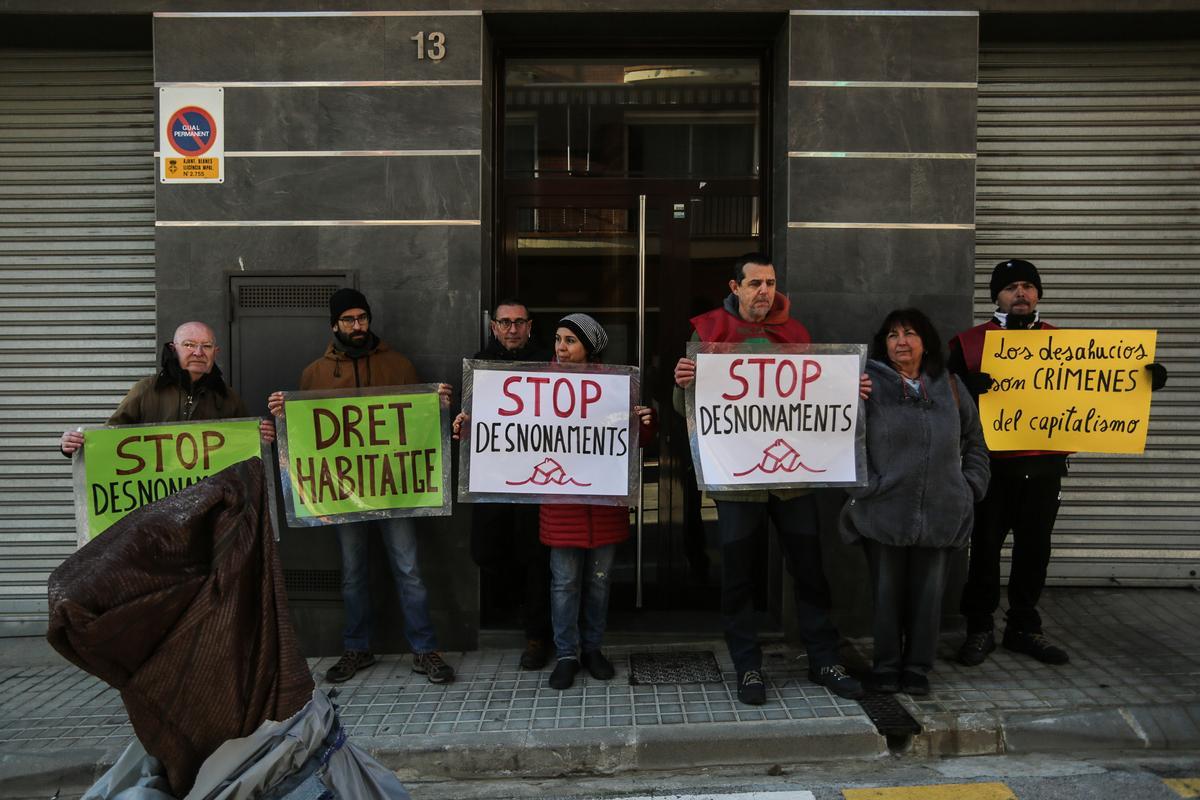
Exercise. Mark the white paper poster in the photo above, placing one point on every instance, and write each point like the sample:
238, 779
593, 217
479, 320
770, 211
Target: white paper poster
762, 417
549, 431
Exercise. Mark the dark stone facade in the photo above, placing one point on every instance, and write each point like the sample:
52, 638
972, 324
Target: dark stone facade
852, 237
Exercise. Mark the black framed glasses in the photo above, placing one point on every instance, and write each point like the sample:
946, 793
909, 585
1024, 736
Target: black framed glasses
505, 324
361, 319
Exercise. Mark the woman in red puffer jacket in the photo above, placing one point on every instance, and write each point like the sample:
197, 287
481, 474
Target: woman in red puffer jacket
583, 538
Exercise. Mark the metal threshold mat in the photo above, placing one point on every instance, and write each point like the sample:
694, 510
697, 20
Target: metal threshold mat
680, 666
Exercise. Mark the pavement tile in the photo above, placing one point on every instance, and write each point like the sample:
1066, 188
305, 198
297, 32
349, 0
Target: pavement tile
1125, 647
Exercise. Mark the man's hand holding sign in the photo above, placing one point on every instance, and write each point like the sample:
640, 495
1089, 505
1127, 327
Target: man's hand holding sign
376, 452
775, 414
1067, 390
126, 467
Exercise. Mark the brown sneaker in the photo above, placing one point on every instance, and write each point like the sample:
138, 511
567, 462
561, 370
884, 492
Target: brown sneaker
433, 667
350, 662
536, 654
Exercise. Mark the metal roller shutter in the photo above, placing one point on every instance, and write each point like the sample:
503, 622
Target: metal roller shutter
1089, 166
76, 287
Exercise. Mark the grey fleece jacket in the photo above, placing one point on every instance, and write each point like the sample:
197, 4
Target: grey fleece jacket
924, 478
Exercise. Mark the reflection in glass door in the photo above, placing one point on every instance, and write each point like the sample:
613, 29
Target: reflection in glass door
601, 256
629, 189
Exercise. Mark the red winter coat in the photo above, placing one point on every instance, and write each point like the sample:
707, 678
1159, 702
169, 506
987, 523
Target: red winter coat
586, 526
724, 324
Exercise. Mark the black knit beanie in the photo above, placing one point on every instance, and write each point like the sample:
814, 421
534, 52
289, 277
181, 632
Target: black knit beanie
1014, 270
344, 299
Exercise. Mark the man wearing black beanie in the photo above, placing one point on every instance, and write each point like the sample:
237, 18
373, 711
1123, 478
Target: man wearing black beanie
358, 358
1023, 495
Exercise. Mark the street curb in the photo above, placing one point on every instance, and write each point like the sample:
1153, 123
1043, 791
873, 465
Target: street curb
605, 751
554, 753
1150, 727
1158, 727
68, 771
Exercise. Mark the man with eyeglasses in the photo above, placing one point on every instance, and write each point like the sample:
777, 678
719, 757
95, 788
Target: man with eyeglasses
357, 358
504, 536
188, 386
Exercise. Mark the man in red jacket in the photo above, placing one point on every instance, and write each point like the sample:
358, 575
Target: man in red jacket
755, 312
1023, 495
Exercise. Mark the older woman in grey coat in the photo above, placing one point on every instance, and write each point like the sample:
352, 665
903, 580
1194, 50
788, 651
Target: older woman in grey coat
927, 467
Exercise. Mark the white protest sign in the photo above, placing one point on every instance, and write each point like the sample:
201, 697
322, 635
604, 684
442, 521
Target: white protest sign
540, 432
775, 415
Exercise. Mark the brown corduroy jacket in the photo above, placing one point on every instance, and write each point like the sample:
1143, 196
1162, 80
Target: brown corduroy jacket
156, 399
383, 366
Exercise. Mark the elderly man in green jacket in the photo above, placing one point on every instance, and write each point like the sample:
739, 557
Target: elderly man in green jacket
188, 387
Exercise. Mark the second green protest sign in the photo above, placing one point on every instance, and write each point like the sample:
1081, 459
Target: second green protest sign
364, 454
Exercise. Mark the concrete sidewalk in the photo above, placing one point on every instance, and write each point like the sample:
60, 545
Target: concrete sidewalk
1133, 683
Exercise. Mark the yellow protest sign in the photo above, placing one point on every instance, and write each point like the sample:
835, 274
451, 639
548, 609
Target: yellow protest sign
1074, 390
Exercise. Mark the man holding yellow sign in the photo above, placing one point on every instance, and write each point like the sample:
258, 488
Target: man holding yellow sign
1043, 393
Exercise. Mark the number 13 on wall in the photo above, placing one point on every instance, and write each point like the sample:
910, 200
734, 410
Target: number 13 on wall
432, 46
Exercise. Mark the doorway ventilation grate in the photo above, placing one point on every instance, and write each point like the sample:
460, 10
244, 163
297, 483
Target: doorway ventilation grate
313, 581
683, 666
296, 295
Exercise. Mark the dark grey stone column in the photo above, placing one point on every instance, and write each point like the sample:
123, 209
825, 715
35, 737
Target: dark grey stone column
880, 212
345, 153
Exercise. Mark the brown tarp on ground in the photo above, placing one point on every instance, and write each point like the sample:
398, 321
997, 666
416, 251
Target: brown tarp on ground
181, 606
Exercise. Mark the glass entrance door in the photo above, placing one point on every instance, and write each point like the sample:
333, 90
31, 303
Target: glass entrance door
630, 188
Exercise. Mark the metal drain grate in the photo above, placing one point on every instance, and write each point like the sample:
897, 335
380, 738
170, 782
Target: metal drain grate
683, 666
889, 716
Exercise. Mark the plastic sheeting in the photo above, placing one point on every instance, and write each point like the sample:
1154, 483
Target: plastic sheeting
306, 757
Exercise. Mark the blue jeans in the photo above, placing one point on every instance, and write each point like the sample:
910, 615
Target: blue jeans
578, 573
400, 542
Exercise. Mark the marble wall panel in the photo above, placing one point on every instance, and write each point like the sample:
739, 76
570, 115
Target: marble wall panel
884, 48
858, 261
842, 281
351, 48
422, 282
353, 118
891, 120
193, 265
939, 191
332, 188
841, 317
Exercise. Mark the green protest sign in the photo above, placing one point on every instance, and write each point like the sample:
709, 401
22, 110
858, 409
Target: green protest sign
348, 456
125, 467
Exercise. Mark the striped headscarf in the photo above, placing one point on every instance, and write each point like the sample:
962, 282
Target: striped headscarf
588, 330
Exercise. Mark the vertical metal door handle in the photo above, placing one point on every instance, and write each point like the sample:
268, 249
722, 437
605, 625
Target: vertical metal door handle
641, 359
